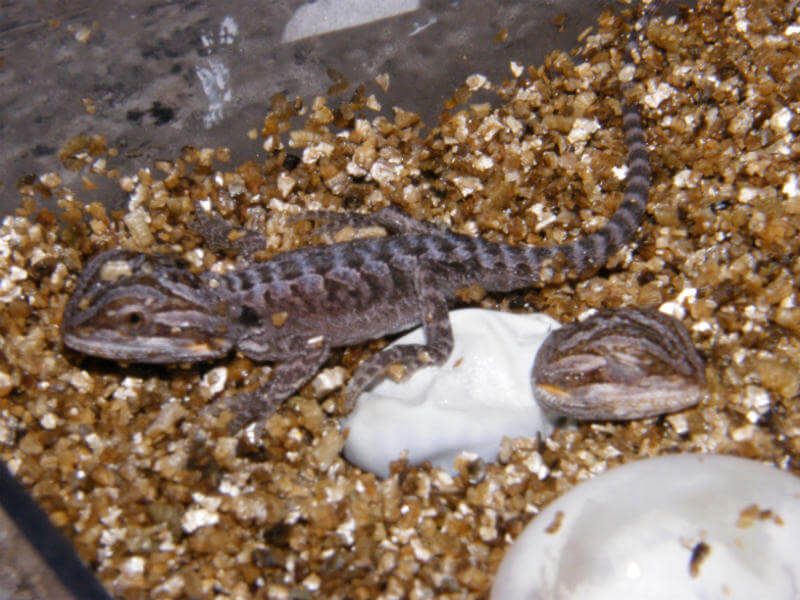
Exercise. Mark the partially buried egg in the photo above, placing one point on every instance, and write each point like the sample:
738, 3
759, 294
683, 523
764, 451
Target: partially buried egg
681, 526
480, 395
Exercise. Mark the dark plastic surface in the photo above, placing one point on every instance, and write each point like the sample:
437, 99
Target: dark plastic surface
36, 560
141, 65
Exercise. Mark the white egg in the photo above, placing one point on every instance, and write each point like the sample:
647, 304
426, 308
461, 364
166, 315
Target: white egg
682, 526
481, 394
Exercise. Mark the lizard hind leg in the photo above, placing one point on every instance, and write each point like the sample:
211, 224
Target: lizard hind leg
220, 236
411, 357
394, 221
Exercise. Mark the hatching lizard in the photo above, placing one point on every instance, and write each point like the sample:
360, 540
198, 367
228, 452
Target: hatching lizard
298, 305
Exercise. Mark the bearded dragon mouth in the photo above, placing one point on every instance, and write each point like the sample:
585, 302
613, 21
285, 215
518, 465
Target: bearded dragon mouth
150, 350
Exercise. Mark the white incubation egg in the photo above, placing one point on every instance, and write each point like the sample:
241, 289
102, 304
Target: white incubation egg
682, 526
481, 394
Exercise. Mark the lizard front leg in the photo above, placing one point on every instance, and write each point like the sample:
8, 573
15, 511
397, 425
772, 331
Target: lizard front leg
301, 357
434, 352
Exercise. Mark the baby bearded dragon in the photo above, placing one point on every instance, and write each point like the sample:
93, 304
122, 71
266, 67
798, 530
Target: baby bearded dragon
294, 308
617, 365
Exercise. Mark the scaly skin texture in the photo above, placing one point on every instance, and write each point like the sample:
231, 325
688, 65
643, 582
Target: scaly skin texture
295, 307
616, 365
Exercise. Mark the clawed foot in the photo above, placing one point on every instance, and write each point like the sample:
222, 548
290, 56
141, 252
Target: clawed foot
246, 408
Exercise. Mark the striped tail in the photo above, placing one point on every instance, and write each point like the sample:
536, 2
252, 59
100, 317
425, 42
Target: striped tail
593, 251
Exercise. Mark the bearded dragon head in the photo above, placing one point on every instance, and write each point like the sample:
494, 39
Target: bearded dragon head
135, 307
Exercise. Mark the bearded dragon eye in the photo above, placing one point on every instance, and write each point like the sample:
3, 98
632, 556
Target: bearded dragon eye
134, 318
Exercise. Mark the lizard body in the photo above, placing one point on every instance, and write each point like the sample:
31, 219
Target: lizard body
295, 307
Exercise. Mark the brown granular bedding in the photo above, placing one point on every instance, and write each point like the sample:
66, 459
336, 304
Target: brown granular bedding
164, 504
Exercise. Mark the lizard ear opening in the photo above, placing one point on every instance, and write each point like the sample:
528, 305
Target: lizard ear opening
248, 316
